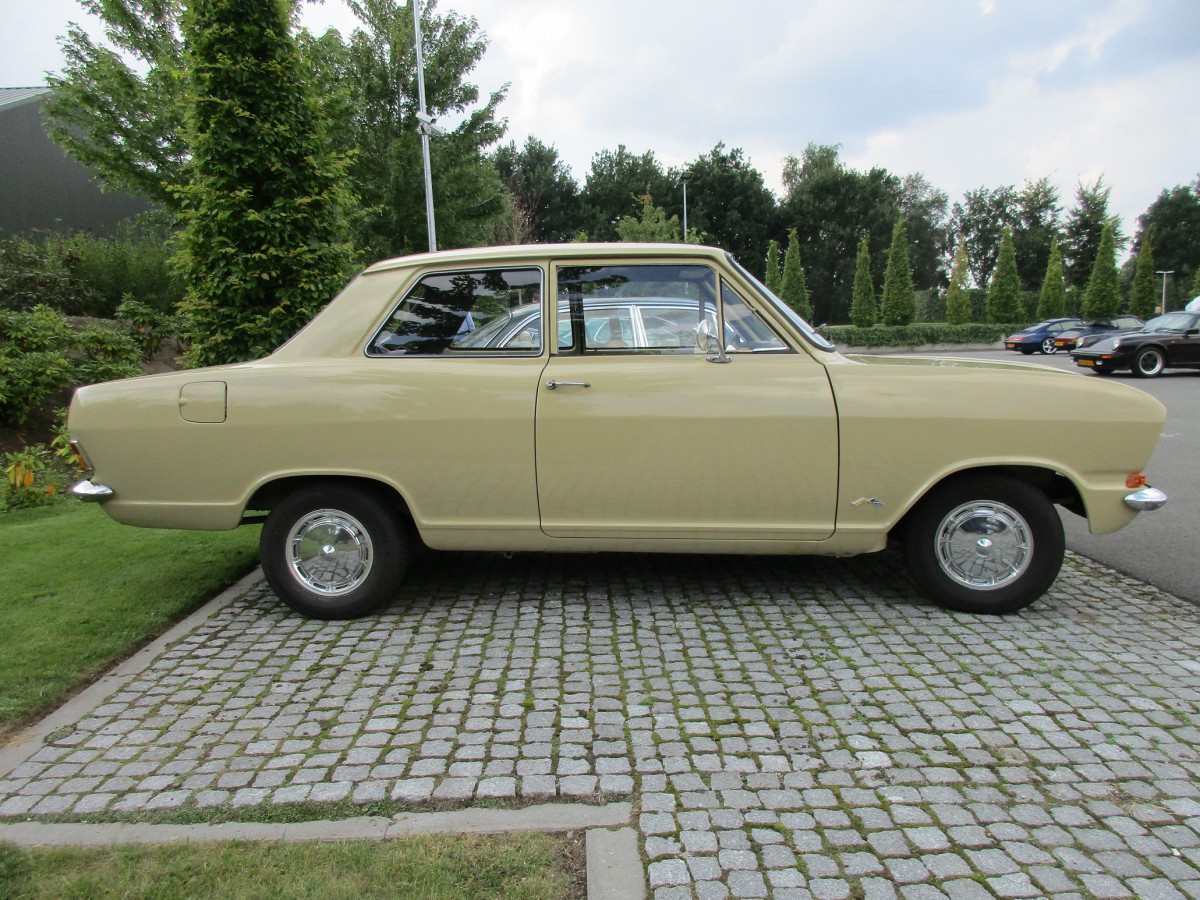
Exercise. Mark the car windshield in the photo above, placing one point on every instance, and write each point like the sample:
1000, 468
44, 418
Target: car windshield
1176, 321
814, 337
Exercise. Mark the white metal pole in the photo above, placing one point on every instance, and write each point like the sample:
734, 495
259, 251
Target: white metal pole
423, 127
1164, 275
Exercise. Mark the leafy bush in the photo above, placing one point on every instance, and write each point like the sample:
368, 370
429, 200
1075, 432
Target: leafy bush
916, 335
29, 277
41, 355
131, 263
149, 327
86, 275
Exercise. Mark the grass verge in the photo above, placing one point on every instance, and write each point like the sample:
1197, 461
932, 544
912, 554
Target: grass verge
81, 592
470, 866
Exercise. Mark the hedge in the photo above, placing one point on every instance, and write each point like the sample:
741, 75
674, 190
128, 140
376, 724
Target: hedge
917, 335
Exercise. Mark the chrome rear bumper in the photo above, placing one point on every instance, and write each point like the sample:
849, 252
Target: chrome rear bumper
92, 493
1148, 498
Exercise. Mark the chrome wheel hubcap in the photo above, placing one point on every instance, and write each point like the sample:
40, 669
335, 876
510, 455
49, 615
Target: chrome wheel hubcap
984, 545
329, 552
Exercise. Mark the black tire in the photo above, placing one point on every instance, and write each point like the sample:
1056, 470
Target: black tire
333, 551
1049, 347
984, 544
1149, 362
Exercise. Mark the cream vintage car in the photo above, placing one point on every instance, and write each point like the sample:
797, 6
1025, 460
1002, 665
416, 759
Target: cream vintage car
428, 403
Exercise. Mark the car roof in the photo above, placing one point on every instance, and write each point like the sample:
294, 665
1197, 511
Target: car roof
528, 253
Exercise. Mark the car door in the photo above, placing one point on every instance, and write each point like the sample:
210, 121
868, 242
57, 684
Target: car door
662, 441
1185, 351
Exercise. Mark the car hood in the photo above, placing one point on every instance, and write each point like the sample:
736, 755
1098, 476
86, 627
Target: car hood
1107, 343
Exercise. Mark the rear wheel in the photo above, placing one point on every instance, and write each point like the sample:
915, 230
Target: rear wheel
333, 551
1149, 362
1048, 346
984, 544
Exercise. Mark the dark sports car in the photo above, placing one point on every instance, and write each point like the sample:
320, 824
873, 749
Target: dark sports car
1171, 340
1096, 330
1039, 338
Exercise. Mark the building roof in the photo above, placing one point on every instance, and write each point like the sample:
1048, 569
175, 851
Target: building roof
15, 96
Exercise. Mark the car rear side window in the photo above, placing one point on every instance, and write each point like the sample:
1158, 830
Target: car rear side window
471, 312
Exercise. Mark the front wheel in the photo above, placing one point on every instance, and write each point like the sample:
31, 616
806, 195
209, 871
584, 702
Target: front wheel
984, 544
333, 551
1149, 362
1048, 346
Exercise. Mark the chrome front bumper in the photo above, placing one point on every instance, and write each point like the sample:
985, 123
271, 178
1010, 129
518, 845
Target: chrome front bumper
1148, 498
92, 493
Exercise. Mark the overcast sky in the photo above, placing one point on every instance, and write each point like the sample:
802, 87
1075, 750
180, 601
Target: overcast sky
970, 92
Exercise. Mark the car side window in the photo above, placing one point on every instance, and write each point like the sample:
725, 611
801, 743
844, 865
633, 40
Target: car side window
649, 308
470, 312
745, 331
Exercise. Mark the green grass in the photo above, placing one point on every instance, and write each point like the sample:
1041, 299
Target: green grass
80, 592
469, 866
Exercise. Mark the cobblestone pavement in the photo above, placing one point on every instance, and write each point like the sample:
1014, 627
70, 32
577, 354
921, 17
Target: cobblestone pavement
785, 727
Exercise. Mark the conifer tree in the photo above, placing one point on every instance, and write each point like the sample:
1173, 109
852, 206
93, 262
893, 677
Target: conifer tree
958, 302
898, 305
774, 278
263, 246
794, 285
1004, 291
1103, 296
862, 303
1052, 302
1142, 297
1196, 284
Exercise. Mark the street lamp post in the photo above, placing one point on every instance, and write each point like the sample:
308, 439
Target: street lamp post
684, 179
425, 126
1164, 274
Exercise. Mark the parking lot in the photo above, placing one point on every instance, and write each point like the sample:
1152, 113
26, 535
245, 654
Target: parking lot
783, 727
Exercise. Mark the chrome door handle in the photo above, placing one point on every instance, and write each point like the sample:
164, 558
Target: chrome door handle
552, 384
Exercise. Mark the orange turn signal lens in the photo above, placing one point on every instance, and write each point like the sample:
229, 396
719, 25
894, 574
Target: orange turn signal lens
80, 458
1136, 480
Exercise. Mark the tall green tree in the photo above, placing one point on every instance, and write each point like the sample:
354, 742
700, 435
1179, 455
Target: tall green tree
652, 226
1084, 231
263, 245
898, 305
615, 186
542, 188
862, 303
1142, 296
926, 221
1004, 288
369, 80
795, 286
980, 219
831, 207
728, 202
1195, 290
773, 278
958, 302
1038, 213
1103, 296
118, 105
1052, 302
1172, 222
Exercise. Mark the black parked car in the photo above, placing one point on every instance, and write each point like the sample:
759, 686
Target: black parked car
1171, 340
1096, 330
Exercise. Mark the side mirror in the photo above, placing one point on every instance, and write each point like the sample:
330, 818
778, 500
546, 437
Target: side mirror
708, 342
